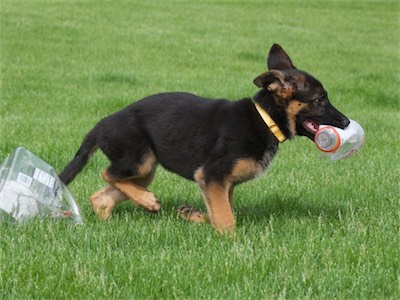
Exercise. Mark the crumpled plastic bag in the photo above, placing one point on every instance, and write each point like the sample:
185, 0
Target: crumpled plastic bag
30, 188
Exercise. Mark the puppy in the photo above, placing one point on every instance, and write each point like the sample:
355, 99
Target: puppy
217, 143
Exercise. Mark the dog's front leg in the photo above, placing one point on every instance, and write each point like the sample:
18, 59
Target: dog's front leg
219, 208
217, 197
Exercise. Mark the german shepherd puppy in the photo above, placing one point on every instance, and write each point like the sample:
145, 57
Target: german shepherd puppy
217, 143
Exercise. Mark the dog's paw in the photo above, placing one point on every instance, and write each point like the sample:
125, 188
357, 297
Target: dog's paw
102, 206
191, 214
149, 202
154, 207
104, 200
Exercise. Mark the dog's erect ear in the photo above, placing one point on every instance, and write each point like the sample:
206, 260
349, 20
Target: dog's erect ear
278, 59
275, 81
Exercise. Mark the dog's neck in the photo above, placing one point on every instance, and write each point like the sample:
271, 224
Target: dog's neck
264, 108
270, 123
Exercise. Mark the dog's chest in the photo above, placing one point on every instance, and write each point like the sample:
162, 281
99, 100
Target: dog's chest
249, 168
269, 154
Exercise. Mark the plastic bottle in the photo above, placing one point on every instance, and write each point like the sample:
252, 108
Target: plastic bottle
339, 143
29, 187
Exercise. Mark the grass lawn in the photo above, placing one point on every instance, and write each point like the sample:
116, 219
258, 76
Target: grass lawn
310, 228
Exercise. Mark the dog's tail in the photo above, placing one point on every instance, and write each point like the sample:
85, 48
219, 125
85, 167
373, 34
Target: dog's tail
88, 147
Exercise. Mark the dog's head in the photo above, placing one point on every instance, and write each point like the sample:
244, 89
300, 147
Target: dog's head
299, 95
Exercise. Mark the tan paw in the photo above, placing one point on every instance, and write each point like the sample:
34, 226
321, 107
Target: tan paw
148, 201
191, 214
104, 201
101, 207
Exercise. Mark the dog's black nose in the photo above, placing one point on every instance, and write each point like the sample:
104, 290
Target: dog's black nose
342, 122
345, 122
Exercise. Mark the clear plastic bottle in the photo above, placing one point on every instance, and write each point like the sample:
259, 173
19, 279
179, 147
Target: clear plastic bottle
339, 143
29, 187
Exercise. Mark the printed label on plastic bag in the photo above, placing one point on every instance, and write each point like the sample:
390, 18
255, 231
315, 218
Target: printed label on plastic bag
24, 179
44, 178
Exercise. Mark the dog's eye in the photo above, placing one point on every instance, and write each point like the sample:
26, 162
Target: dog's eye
320, 98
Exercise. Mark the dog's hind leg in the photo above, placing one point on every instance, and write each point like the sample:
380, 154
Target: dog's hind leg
139, 195
135, 186
104, 200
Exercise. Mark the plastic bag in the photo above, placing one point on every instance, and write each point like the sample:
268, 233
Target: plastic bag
30, 188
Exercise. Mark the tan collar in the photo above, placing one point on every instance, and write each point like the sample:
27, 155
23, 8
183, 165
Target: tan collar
270, 123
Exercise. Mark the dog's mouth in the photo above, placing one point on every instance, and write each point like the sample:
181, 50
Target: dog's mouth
311, 126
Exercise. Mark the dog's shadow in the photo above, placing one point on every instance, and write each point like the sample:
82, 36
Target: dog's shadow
260, 211
289, 207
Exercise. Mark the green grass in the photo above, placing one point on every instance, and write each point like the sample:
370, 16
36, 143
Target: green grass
310, 228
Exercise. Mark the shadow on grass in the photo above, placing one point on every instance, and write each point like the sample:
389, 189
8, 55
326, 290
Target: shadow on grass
289, 207
260, 211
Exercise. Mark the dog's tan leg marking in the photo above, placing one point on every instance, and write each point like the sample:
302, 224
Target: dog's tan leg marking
219, 208
136, 193
104, 200
219, 196
145, 181
217, 200
147, 169
135, 188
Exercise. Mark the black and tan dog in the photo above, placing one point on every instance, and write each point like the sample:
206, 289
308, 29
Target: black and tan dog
217, 143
